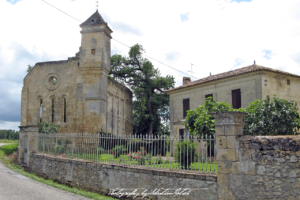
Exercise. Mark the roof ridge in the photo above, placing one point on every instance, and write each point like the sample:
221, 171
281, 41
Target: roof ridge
239, 71
94, 19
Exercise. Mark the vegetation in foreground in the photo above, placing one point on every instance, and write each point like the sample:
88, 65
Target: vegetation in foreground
7, 150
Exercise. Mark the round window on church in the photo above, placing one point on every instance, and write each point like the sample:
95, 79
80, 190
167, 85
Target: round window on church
52, 81
93, 20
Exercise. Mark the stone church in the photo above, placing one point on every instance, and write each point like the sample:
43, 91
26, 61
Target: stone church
76, 94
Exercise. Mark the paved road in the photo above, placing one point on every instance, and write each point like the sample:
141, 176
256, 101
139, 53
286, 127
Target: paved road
14, 186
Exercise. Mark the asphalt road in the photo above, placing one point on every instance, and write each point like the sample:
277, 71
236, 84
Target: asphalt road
16, 186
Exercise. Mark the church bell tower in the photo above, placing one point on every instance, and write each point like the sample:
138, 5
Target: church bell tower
94, 66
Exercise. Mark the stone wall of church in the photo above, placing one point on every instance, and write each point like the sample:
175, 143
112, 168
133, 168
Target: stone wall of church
92, 103
119, 109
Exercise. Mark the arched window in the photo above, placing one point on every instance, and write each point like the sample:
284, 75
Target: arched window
65, 109
52, 108
41, 109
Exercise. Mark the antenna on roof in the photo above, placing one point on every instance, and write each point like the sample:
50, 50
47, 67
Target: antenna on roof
96, 5
192, 71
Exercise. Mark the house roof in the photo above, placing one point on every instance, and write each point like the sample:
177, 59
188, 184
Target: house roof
94, 19
244, 70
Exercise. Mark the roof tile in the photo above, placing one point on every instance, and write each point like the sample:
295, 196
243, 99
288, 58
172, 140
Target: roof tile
236, 72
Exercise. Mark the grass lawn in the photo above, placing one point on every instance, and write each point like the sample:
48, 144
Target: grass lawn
123, 159
8, 141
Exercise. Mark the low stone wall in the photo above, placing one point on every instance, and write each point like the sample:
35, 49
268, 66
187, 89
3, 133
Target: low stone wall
268, 168
102, 178
255, 167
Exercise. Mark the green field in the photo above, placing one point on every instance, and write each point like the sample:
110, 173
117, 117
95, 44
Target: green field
8, 141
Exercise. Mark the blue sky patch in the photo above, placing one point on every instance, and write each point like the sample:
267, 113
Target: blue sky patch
239, 1
268, 54
238, 61
172, 56
184, 17
13, 1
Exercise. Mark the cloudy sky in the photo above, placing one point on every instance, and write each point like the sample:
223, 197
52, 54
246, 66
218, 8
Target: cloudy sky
213, 35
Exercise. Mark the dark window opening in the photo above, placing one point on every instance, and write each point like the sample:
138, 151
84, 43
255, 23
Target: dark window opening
209, 95
181, 134
288, 82
236, 98
52, 115
186, 106
93, 51
65, 110
41, 109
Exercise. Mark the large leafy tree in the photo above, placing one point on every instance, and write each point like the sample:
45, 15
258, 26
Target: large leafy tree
151, 104
271, 117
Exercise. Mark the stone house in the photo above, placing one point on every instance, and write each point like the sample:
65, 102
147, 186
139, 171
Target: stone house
76, 94
237, 87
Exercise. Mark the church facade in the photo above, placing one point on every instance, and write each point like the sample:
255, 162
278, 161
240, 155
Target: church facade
76, 94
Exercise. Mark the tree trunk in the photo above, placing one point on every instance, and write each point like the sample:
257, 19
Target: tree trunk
150, 127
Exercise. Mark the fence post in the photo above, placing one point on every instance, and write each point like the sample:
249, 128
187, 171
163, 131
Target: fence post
229, 128
27, 146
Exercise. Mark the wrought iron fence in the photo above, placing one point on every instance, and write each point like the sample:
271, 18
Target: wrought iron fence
187, 153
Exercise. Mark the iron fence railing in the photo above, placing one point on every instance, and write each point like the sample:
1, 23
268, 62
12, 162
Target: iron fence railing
187, 153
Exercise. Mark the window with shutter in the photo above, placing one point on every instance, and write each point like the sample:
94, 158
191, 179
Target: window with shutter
181, 134
236, 98
186, 106
209, 95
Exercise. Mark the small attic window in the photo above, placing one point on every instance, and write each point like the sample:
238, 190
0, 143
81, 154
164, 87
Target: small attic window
93, 20
288, 82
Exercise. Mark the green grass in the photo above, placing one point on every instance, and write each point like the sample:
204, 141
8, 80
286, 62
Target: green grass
9, 148
123, 159
8, 141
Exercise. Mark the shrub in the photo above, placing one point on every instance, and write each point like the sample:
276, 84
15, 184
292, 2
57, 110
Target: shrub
185, 153
59, 149
200, 122
271, 117
47, 128
100, 150
9, 149
118, 150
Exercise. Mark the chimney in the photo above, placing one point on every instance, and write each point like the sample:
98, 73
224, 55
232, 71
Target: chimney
186, 80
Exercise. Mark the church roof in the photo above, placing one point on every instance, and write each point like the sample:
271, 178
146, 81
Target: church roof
244, 70
94, 19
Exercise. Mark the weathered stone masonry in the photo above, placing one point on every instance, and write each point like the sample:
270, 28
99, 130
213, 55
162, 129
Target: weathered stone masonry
76, 94
102, 177
249, 167
255, 167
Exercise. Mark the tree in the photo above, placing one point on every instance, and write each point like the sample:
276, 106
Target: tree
29, 68
151, 104
200, 122
271, 117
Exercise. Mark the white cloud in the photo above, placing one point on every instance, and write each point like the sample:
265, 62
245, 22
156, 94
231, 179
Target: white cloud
9, 125
219, 35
